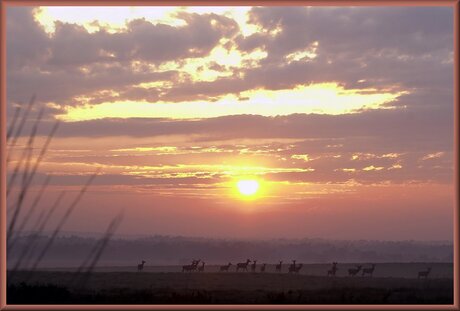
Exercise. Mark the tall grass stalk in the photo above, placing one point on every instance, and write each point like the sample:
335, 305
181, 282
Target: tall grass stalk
29, 170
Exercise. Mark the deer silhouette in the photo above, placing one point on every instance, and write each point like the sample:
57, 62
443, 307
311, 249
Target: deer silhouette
262, 269
140, 266
192, 267
242, 265
369, 271
333, 270
225, 268
293, 268
253, 266
279, 266
201, 268
354, 271
424, 274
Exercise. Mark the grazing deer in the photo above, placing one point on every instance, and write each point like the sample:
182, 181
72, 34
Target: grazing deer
279, 266
140, 266
262, 269
225, 268
192, 267
242, 265
369, 271
201, 268
333, 270
424, 274
253, 266
354, 271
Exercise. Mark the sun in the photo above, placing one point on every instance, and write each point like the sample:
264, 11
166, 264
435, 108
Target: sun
248, 187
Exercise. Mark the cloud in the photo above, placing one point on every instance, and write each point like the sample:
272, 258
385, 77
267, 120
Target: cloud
369, 147
399, 128
398, 48
73, 62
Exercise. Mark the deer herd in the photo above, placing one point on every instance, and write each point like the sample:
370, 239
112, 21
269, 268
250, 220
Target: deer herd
293, 268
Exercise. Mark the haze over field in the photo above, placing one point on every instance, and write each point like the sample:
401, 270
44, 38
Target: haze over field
160, 251
241, 122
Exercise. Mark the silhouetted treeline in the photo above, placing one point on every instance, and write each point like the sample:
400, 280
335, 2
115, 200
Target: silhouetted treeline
164, 250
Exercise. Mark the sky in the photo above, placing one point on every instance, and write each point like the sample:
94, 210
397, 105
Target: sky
342, 117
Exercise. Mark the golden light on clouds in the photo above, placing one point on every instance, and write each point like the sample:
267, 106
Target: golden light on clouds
324, 98
307, 54
203, 69
114, 19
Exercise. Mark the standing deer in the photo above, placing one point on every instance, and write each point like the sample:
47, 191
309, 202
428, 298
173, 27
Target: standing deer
140, 266
279, 266
201, 268
253, 266
424, 274
369, 271
225, 268
262, 269
354, 271
192, 267
333, 270
293, 268
242, 265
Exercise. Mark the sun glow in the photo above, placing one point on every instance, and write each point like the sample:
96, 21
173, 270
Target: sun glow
248, 187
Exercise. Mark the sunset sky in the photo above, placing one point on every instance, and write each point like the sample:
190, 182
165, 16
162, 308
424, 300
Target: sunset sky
343, 116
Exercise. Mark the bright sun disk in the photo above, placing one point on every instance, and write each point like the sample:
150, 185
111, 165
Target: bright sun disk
247, 187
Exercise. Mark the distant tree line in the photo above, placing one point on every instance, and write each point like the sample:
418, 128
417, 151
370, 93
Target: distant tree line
165, 250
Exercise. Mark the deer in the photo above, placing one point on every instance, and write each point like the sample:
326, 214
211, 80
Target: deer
333, 270
201, 268
140, 266
225, 268
424, 274
293, 268
242, 265
253, 266
195, 264
354, 271
262, 269
369, 271
279, 266
191, 267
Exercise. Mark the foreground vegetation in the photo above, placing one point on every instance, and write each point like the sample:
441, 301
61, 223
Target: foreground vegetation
232, 288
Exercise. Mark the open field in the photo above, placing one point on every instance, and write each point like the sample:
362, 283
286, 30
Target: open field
226, 288
397, 270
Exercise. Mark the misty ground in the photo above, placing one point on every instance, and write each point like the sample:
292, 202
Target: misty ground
71, 251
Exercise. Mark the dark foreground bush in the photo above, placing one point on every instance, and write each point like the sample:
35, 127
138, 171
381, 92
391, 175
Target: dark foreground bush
37, 294
362, 296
